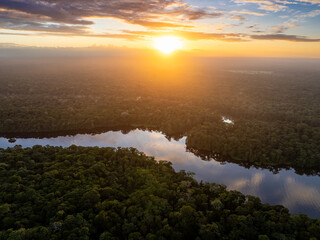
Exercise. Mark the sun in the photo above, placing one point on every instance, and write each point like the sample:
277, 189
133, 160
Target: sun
167, 44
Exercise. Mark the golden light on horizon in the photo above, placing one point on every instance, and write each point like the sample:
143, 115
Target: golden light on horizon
167, 44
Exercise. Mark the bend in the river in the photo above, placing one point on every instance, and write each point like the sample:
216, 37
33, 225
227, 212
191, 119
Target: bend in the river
299, 193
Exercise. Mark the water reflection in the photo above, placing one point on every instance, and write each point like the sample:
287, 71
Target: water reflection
300, 193
227, 120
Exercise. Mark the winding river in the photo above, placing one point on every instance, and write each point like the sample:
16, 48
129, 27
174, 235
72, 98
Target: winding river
299, 193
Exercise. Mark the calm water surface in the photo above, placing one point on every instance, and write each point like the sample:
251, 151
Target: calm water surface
301, 194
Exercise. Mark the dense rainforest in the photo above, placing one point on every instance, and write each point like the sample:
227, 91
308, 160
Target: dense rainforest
274, 106
105, 193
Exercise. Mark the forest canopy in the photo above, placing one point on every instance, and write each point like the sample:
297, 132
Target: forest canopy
106, 193
274, 104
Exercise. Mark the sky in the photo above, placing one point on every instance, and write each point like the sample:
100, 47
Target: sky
263, 28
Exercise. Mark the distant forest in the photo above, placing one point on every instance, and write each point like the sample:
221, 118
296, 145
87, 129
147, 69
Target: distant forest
274, 106
81, 193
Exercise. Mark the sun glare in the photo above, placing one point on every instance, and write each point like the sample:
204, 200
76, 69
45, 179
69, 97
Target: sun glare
168, 44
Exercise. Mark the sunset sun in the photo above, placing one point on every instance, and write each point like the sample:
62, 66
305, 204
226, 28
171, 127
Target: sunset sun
168, 44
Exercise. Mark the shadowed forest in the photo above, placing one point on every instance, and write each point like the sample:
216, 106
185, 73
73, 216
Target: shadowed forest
274, 105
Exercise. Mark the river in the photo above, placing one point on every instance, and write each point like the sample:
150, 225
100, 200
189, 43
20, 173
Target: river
299, 193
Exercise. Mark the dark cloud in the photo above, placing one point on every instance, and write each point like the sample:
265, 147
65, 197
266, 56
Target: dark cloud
46, 14
13, 23
254, 26
55, 12
195, 14
284, 37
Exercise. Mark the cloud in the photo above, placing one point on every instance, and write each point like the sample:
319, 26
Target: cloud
264, 4
131, 37
187, 35
279, 28
195, 36
156, 24
249, 13
284, 37
310, 1
48, 9
291, 25
12, 22
302, 17
286, 2
11, 45
195, 14
254, 26
283, 27
311, 14
238, 18
45, 15
227, 37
